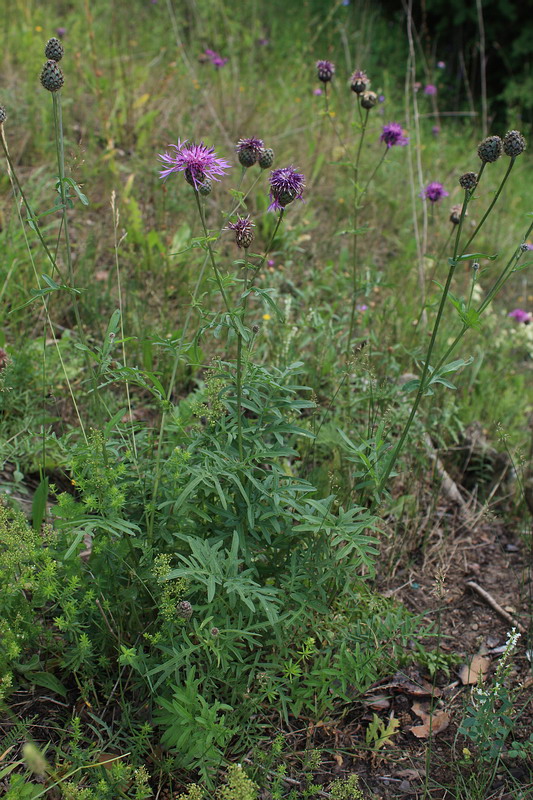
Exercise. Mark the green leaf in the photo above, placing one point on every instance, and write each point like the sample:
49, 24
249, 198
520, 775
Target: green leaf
47, 680
472, 256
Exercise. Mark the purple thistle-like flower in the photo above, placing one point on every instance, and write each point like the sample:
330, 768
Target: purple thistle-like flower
392, 135
286, 185
441, 64
430, 90
520, 315
325, 70
215, 58
249, 150
197, 161
434, 191
435, 130
243, 231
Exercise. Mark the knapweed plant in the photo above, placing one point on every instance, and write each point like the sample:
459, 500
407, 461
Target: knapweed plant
210, 500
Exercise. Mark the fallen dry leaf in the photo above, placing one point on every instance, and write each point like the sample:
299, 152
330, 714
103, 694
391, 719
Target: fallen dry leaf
432, 723
410, 774
476, 669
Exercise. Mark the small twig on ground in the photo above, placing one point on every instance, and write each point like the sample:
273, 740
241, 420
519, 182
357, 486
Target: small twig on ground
489, 599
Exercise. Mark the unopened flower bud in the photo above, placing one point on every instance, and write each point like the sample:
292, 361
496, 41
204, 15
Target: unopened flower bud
54, 50
490, 149
266, 158
184, 609
51, 76
468, 181
513, 144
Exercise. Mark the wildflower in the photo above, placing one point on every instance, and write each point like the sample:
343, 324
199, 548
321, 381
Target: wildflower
266, 317
434, 191
455, 214
526, 246
513, 144
468, 181
184, 609
243, 231
61, 32
54, 49
359, 81
325, 71
435, 130
263, 42
490, 149
361, 307
318, 91
392, 135
265, 158
520, 315
215, 58
286, 185
52, 76
430, 89
197, 161
441, 64
381, 98
369, 100
248, 150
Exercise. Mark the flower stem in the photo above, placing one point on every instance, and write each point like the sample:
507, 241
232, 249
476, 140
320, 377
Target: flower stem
422, 386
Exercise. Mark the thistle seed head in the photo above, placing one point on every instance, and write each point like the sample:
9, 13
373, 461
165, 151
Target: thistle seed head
490, 149
455, 214
54, 50
52, 77
468, 181
369, 100
513, 144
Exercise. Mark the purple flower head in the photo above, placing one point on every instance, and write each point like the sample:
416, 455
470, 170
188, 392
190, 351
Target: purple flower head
529, 246
318, 91
248, 150
197, 161
325, 70
441, 64
435, 130
392, 135
243, 231
286, 185
361, 307
263, 42
215, 58
253, 144
381, 98
430, 90
520, 315
61, 32
434, 191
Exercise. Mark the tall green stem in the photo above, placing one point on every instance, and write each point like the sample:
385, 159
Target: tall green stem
422, 386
